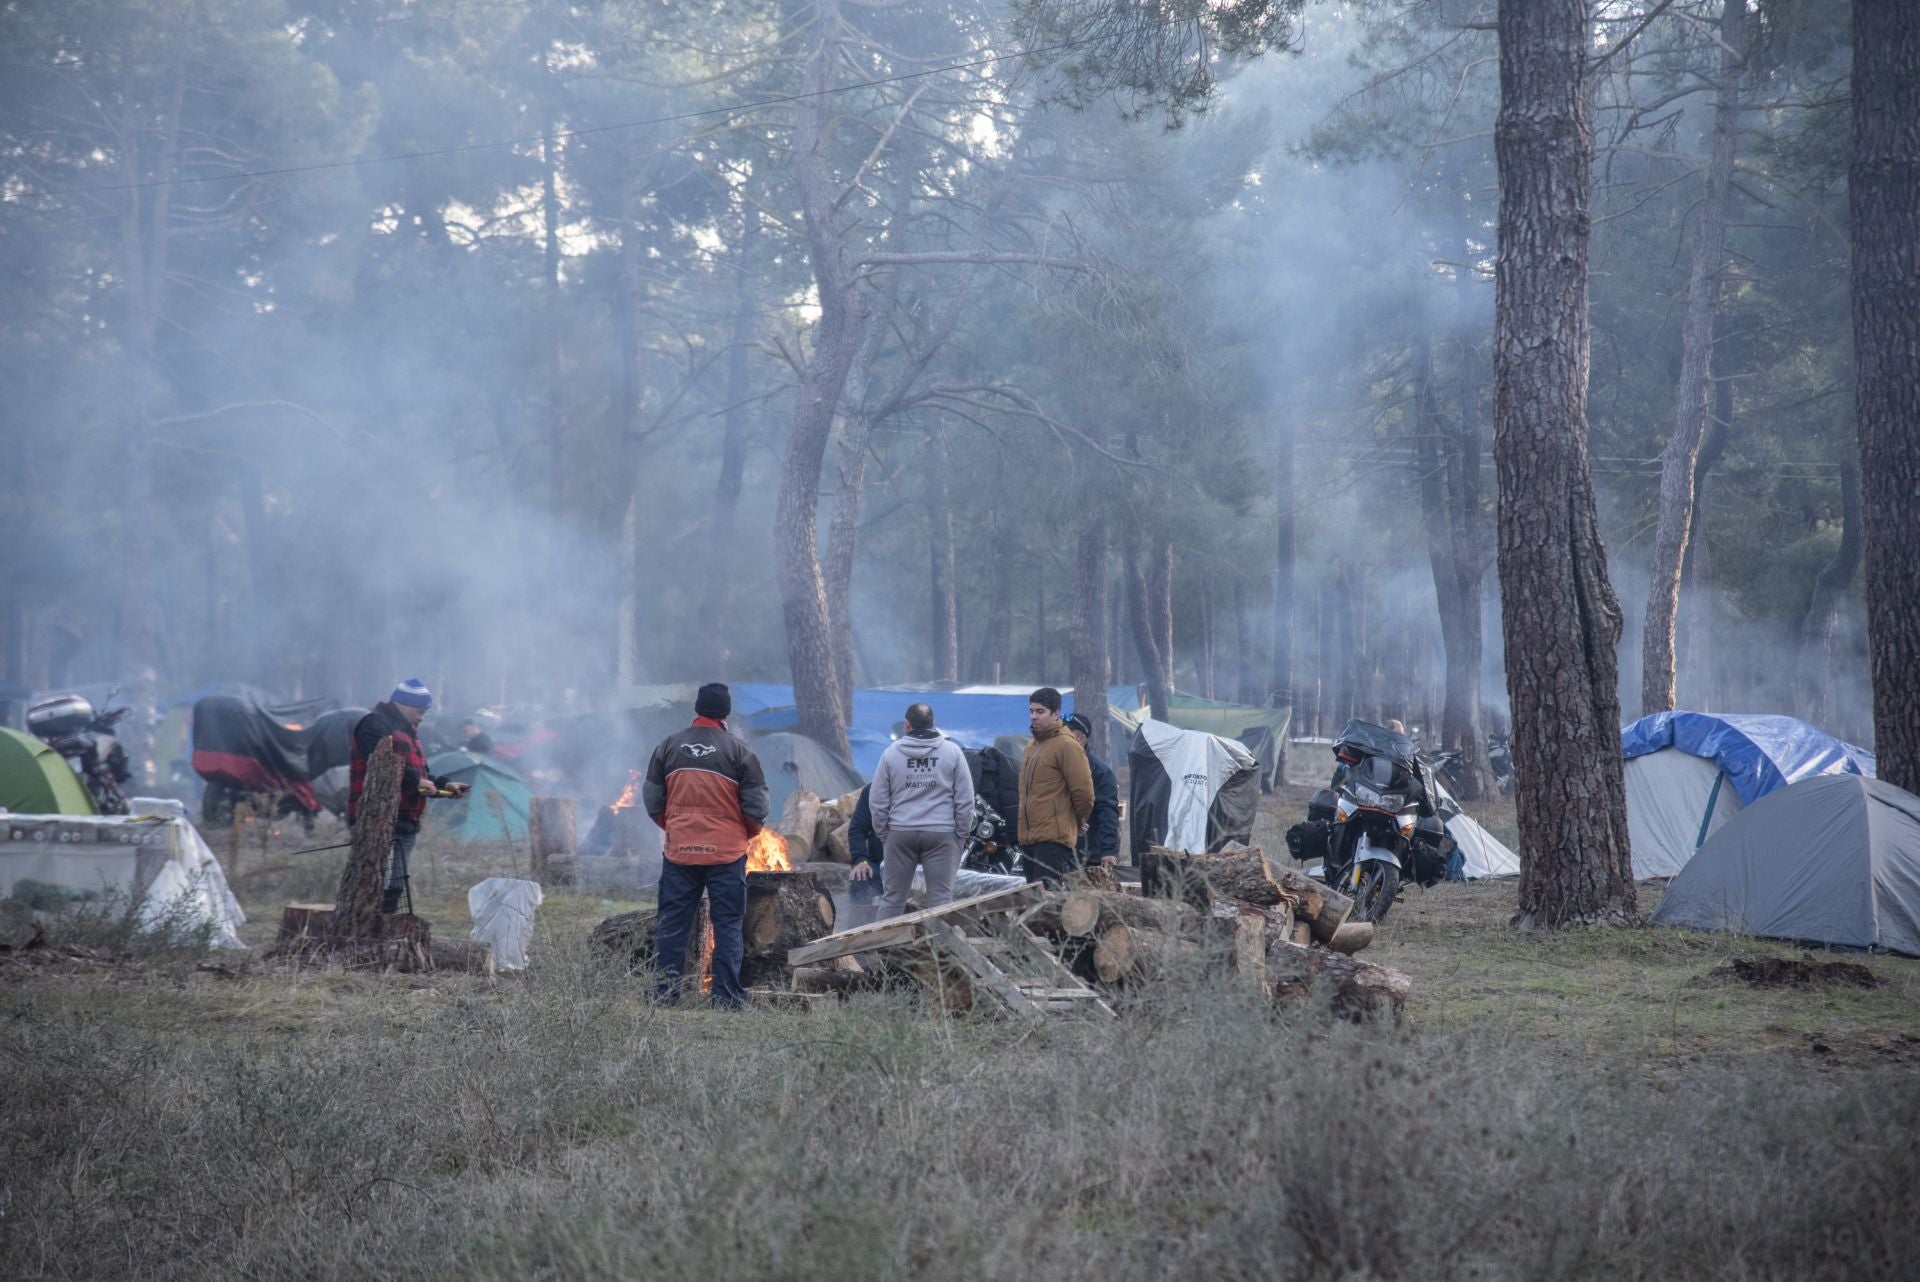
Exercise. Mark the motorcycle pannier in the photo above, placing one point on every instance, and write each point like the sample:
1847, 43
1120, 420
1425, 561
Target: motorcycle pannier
1308, 842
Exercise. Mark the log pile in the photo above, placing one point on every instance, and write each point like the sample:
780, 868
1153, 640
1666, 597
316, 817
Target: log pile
1234, 913
785, 910
816, 830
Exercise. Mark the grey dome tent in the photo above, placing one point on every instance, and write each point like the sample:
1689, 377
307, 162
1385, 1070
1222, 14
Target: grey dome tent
1834, 860
1189, 790
791, 761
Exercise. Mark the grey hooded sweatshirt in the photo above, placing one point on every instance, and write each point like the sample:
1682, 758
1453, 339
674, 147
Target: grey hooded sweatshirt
922, 783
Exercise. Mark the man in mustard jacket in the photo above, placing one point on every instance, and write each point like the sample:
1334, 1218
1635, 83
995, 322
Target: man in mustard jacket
1056, 791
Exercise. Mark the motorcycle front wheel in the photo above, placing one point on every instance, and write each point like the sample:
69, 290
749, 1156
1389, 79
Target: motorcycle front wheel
1379, 882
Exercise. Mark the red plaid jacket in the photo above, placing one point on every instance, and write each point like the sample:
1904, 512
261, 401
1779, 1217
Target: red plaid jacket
386, 720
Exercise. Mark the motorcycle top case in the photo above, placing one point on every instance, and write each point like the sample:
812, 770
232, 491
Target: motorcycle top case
59, 717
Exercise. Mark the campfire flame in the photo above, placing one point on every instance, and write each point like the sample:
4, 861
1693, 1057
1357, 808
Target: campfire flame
628, 795
767, 852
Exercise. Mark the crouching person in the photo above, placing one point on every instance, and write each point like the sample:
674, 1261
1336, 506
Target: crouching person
705, 788
922, 804
863, 884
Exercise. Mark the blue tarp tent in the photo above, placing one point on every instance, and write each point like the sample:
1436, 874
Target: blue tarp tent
1687, 773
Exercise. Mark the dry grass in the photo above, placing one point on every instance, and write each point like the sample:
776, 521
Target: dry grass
1585, 1106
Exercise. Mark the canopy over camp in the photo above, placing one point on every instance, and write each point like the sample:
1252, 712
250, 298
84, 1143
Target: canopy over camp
36, 780
51, 862
793, 761
496, 808
1262, 730
1189, 790
1834, 860
1688, 773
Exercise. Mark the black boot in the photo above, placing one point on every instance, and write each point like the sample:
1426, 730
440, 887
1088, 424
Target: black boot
390, 901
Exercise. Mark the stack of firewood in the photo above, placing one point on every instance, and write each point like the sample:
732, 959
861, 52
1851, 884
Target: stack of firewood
816, 830
1235, 911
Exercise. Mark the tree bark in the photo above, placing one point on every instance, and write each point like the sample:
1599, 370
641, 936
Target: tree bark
1696, 575
1814, 670
1280, 693
1089, 640
1559, 615
716, 605
1884, 199
944, 571
1146, 641
1455, 565
1658, 685
836, 339
356, 908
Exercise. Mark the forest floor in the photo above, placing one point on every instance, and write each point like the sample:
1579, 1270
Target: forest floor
1599, 1103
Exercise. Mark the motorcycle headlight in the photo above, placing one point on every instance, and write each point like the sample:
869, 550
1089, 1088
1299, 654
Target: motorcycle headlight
983, 830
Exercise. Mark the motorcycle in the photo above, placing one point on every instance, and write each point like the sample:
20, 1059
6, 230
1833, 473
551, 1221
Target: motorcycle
69, 725
990, 845
1379, 824
1449, 766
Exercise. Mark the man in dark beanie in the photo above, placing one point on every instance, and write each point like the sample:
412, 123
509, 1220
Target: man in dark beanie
1100, 838
705, 787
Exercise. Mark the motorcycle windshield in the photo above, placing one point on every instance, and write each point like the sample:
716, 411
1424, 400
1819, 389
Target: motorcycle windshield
1377, 741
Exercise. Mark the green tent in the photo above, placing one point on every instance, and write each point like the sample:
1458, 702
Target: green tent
36, 780
496, 808
1262, 730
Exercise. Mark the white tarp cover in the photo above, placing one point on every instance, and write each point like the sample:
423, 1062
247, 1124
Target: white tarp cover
1668, 793
1485, 855
156, 858
1198, 764
502, 909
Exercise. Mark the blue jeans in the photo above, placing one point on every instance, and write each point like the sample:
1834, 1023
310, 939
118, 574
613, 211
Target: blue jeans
397, 862
681, 885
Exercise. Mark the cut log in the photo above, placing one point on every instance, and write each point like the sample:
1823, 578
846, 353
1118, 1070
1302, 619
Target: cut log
1168, 874
1351, 937
1354, 989
1093, 877
1080, 914
1302, 933
1243, 930
837, 848
797, 816
550, 832
824, 823
829, 877
471, 956
629, 934
1143, 955
1113, 953
1244, 874
1321, 906
826, 979
784, 911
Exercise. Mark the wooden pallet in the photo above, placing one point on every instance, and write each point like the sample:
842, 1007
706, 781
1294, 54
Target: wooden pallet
983, 939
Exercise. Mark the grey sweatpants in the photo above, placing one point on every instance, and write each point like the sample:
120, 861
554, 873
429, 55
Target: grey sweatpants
907, 848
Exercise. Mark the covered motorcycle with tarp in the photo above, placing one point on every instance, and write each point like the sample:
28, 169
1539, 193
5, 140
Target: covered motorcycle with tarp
242, 748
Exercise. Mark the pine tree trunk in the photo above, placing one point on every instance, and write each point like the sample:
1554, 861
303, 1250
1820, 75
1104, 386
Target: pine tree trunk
717, 597
1884, 198
1146, 641
1089, 640
944, 571
1280, 693
1815, 633
1696, 575
803, 592
1559, 615
1658, 687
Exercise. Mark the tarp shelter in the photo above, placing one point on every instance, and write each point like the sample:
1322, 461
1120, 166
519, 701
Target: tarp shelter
1189, 790
495, 810
54, 861
1481, 853
791, 761
36, 780
1833, 860
256, 748
1263, 731
1689, 773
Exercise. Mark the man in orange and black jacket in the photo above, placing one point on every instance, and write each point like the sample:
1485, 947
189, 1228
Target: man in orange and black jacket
705, 787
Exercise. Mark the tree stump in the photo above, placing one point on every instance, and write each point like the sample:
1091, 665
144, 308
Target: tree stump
629, 934
356, 909
550, 832
303, 924
1355, 989
784, 911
